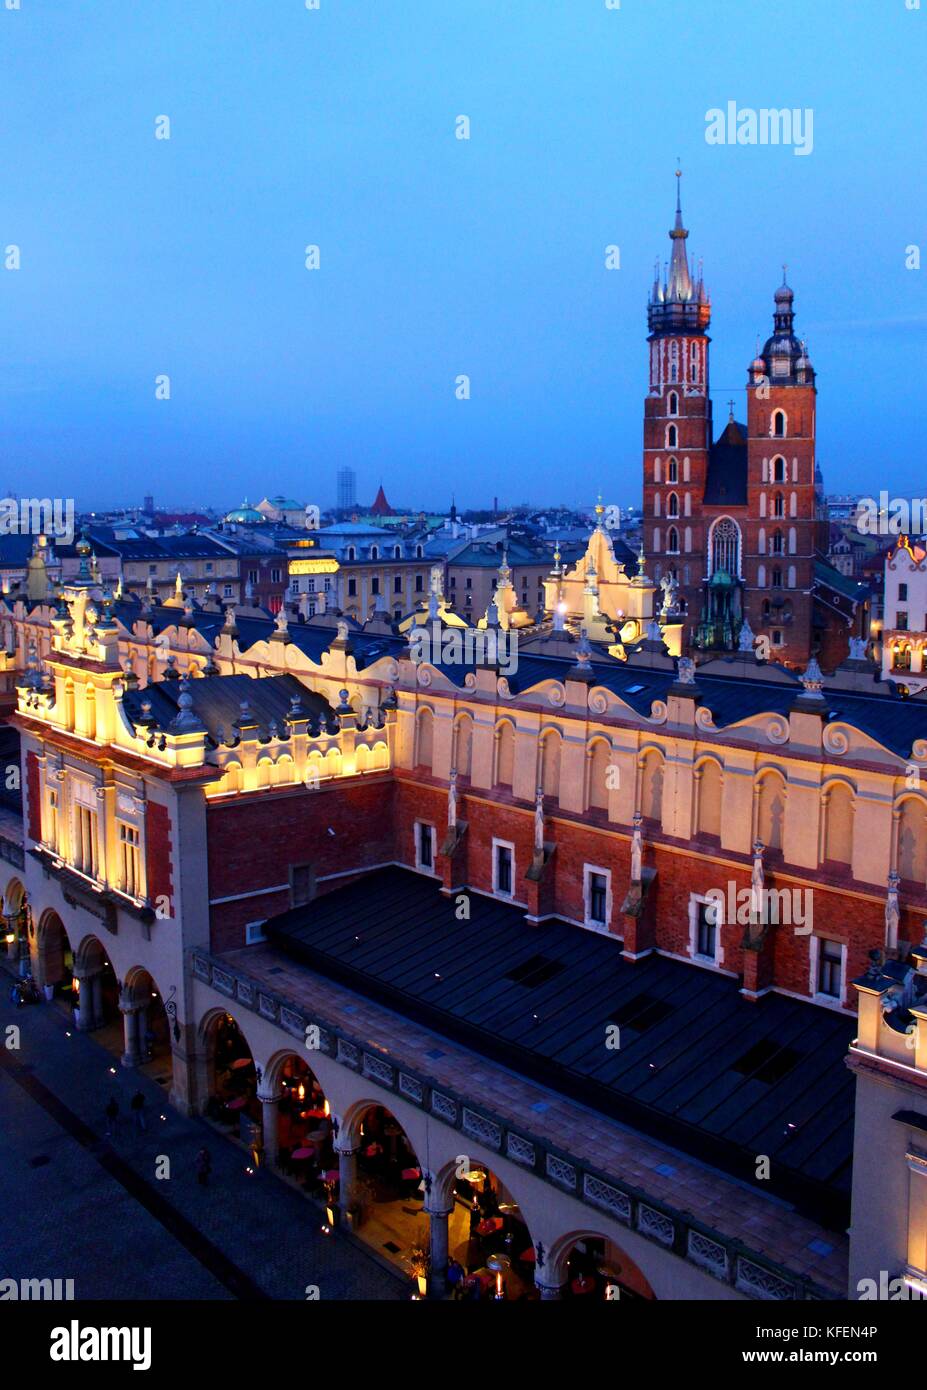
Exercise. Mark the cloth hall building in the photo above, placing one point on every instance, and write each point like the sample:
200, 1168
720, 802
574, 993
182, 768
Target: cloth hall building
371, 912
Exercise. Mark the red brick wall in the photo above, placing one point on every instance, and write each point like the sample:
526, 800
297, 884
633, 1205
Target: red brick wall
835, 913
158, 853
34, 795
253, 839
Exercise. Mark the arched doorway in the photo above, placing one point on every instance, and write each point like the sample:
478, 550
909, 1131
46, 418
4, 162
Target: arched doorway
381, 1189
95, 992
231, 1080
55, 959
586, 1267
16, 927
146, 1033
298, 1131
489, 1249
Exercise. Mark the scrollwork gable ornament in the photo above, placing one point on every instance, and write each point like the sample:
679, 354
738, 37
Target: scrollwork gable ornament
777, 729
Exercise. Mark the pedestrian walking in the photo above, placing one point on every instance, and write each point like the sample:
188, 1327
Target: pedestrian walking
203, 1167
137, 1106
112, 1117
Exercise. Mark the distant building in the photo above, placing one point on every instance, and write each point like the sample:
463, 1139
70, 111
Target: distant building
347, 489
904, 619
361, 570
285, 509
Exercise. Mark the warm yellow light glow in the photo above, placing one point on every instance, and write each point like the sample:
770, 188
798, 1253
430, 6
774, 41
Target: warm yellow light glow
317, 565
9, 939
327, 1108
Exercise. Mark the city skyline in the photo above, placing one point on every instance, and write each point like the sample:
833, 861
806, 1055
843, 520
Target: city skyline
439, 257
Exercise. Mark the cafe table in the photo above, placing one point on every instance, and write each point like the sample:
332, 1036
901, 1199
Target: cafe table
489, 1225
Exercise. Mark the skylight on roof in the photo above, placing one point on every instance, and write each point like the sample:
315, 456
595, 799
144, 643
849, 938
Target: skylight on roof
635, 689
766, 1061
534, 971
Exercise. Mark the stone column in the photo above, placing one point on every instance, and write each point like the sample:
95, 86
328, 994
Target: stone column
131, 1055
96, 996
347, 1174
438, 1231
86, 1018
269, 1101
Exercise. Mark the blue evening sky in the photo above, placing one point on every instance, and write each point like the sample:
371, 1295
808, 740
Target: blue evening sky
439, 256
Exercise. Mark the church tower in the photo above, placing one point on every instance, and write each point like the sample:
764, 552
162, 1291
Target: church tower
782, 530
677, 421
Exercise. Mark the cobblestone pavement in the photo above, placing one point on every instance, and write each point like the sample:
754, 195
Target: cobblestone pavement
79, 1206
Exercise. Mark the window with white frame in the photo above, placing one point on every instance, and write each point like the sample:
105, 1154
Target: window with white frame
130, 877
85, 841
828, 969
597, 897
503, 868
705, 920
424, 846
51, 825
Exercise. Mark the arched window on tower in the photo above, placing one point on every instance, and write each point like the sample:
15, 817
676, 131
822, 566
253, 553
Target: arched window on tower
778, 505
725, 547
673, 404
672, 541
674, 362
672, 505
779, 424
777, 578
672, 436
778, 470
672, 471
693, 370
777, 546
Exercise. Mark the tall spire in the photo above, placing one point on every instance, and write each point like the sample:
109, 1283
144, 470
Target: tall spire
680, 305
679, 285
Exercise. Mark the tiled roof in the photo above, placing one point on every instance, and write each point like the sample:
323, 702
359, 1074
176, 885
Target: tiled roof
695, 1065
217, 701
726, 483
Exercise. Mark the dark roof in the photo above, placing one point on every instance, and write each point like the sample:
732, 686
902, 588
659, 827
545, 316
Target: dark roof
217, 700
726, 483
842, 583
697, 1066
310, 638
189, 546
488, 555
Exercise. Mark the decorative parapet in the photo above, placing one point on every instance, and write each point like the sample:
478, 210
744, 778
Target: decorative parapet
722, 1257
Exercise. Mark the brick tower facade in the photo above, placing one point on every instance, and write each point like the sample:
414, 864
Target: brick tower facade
677, 421
737, 522
781, 534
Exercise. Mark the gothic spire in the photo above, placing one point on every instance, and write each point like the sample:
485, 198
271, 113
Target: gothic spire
681, 304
